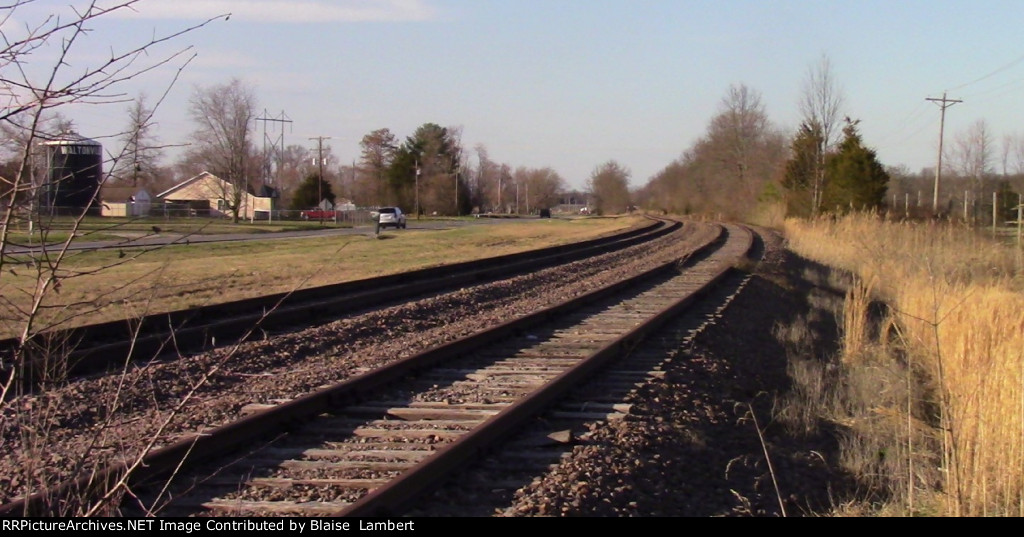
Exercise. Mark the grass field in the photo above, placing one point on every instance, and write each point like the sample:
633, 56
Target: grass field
96, 228
105, 284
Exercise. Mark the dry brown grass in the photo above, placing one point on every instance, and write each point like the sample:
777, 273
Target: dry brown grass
178, 277
956, 345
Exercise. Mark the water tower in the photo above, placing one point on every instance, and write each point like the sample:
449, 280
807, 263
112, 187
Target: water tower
75, 172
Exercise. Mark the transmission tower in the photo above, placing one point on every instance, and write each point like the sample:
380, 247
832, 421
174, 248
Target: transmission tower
276, 145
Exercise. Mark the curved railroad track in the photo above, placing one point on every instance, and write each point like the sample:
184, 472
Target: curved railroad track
553, 455
282, 368
108, 346
367, 445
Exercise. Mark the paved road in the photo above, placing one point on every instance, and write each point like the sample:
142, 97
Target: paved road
161, 238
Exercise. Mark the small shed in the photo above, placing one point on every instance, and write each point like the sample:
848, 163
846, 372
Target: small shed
124, 201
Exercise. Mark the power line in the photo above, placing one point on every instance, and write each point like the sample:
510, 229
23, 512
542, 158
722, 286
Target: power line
912, 120
993, 73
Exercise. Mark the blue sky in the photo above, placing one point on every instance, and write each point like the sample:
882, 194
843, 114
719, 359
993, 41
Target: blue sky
571, 84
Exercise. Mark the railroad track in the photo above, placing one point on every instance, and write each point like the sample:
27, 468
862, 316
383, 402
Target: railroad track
369, 444
107, 346
552, 443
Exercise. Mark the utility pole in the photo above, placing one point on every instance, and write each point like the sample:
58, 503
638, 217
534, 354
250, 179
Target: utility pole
457, 169
320, 178
417, 164
943, 103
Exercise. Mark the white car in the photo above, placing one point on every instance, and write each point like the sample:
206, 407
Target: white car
390, 217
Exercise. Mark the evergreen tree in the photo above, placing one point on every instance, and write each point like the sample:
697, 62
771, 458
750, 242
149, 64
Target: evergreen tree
1006, 202
311, 192
800, 169
423, 169
855, 178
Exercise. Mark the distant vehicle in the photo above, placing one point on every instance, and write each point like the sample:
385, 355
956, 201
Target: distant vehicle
585, 210
317, 214
390, 217
545, 213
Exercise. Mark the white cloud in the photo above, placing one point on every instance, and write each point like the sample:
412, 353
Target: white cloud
285, 11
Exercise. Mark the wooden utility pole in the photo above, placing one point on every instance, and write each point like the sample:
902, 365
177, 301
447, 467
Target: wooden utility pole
458, 168
417, 177
320, 177
943, 103
995, 214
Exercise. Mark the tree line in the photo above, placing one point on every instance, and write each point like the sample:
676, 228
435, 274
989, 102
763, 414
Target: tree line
430, 171
742, 166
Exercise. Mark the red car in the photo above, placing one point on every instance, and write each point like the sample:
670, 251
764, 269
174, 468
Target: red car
317, 214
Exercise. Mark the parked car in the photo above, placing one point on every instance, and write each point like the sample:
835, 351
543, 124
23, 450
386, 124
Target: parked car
317, 214
390, 217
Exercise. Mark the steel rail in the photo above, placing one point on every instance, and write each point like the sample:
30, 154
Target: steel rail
390, 498
109, 345
287, 416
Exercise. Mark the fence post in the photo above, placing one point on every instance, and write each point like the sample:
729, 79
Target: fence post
995, 213
965, 207
1020, 208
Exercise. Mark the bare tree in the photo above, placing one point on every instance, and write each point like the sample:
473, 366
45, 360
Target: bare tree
138, 164
295, 162
506, 188
378, 154
1013, 165
746, 145
972, 152
488, 181
34, 96
224, 115
821, 104
458, 169
539, 188
1018, 155
971, 158
730, 169
609, 184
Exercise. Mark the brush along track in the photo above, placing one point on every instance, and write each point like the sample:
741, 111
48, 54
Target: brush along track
405, 438
107, 346
97, 421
